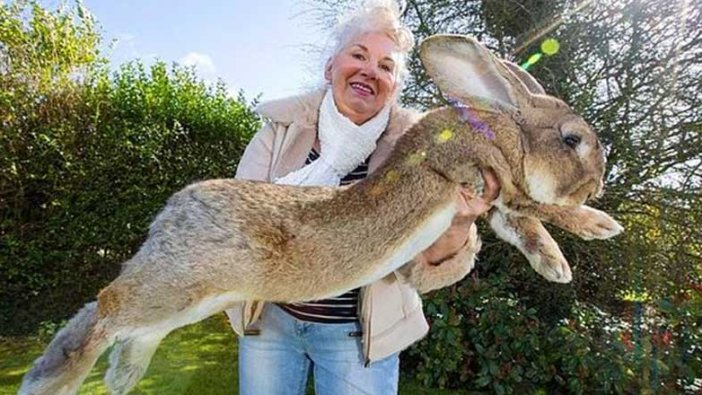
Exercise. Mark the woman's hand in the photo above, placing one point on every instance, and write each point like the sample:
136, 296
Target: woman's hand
470, 207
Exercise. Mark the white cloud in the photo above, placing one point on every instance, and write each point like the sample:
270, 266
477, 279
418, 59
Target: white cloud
202, 63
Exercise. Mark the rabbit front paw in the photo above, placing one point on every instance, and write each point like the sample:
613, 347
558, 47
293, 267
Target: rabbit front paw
589, 223
535, 243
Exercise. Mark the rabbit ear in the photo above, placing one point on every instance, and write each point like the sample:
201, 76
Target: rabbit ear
462, 67
533, 240
527, 79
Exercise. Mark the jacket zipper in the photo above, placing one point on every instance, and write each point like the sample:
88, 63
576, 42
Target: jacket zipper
366, 316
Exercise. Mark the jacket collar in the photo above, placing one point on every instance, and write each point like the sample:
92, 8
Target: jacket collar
302, 112
301, 109
304, 109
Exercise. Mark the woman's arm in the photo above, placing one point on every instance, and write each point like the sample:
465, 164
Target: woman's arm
425, 275
451, 257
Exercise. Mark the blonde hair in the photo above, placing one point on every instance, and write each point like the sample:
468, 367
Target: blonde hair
376, 16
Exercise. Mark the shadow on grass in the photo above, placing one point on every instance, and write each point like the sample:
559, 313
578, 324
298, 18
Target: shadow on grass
198, 359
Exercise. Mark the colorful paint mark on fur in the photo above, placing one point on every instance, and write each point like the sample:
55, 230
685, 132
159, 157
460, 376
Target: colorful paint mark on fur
381, 187
416, 158
392, 176
444, 136
468, 115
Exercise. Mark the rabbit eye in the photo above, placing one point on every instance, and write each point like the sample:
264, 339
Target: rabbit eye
571, 140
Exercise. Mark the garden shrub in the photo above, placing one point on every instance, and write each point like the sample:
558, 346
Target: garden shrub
499, 331
88, 157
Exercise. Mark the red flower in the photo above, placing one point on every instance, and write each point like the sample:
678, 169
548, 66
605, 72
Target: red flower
625, 338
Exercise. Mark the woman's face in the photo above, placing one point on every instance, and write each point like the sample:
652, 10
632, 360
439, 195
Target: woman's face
363, 76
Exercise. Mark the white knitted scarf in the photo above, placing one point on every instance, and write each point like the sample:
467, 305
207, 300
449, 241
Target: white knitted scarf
344, 145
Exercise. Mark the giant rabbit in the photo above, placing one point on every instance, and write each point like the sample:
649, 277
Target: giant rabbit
222, 241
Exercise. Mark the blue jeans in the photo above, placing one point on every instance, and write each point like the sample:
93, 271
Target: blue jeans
278, 360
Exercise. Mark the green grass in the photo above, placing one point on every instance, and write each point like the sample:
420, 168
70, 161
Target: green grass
200, 359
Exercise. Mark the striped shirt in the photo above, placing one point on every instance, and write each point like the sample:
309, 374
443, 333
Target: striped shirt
340, 309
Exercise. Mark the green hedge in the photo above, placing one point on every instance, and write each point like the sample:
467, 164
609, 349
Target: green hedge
88, 157
506, 330
86, 168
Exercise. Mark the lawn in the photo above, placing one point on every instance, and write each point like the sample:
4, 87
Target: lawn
199, 360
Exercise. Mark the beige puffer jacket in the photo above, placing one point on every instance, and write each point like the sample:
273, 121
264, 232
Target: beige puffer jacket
390, 309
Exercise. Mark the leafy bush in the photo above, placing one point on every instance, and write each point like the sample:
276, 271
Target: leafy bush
87, 158
491, 333
486, 339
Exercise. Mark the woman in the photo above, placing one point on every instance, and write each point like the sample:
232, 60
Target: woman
336, 136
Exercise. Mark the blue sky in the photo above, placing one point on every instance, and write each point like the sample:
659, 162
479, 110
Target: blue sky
260, 46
